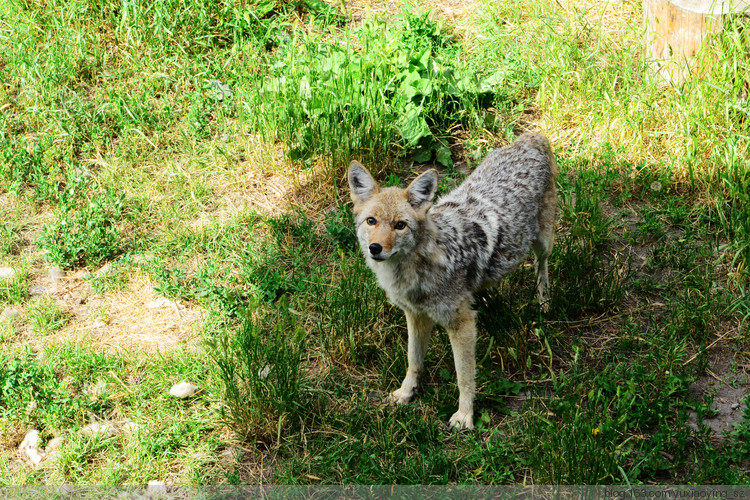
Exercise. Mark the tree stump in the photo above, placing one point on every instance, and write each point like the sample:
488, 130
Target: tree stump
675, 30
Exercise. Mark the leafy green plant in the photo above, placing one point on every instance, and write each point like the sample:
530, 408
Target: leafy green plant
24, 169
199, 115
31, 394
14, 289
340, 226
276, 266
86, 230
402, 85
112, 277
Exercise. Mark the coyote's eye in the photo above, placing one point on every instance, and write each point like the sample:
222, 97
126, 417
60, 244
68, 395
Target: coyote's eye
371, 221
400, 225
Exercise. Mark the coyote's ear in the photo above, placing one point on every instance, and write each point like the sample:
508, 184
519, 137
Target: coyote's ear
422, 189
361, 183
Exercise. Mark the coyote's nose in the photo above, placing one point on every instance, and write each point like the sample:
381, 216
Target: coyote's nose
375, 249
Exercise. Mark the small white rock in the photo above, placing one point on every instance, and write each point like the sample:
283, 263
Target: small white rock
52, 451
35, 455
263, 372
183, 390
7, 272
130, 428
55, 274
159, 303
97, 390
104, 269
96, 429
231, 454
54, 445
36, 290
191, 317
31, 440
30, 447
9, 313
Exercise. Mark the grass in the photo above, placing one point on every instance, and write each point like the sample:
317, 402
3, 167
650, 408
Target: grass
46, 316
203, 153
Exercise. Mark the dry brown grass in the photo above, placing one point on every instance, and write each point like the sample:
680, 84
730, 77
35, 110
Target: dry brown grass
135, 319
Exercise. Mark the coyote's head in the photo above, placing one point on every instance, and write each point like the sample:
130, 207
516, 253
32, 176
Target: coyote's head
388, 220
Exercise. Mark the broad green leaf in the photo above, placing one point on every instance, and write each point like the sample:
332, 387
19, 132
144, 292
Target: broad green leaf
443, 156
492, 82
422, 155
413, 126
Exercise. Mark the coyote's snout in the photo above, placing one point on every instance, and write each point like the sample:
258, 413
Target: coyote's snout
430, 259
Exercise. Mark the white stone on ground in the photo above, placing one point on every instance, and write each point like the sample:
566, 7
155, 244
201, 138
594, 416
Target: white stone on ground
30, 447
31, 440
263, 372
55, 274
53, 448
97, 429
130, 428
7, 272
183, 390
104, 269
9, 313
159, 303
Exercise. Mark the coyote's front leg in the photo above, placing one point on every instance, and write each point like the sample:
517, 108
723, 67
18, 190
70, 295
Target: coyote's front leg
463, 337
420, 329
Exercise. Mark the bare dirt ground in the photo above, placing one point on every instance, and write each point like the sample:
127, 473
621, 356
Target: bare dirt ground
728, 384
134, 318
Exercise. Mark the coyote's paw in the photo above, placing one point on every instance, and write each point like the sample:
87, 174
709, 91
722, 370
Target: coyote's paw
462, 420
400, 396
545, 306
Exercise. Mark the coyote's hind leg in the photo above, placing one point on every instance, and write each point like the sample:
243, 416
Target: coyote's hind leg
543, 245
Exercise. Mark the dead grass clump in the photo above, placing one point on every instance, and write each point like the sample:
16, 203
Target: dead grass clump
135, 319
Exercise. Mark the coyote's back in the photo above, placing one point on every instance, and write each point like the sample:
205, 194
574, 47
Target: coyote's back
497, 212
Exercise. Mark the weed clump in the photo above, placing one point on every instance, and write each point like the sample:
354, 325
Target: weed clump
86, 231
402, 86
260, 367
31, 395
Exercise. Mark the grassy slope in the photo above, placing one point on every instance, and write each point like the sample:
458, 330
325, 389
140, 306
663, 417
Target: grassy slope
121, 145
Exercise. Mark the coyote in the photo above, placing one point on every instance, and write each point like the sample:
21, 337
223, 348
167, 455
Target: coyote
430, 259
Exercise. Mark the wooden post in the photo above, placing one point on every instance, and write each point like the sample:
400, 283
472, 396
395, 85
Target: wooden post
675, 30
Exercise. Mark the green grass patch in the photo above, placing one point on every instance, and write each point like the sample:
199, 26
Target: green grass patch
162, 137
33, 395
